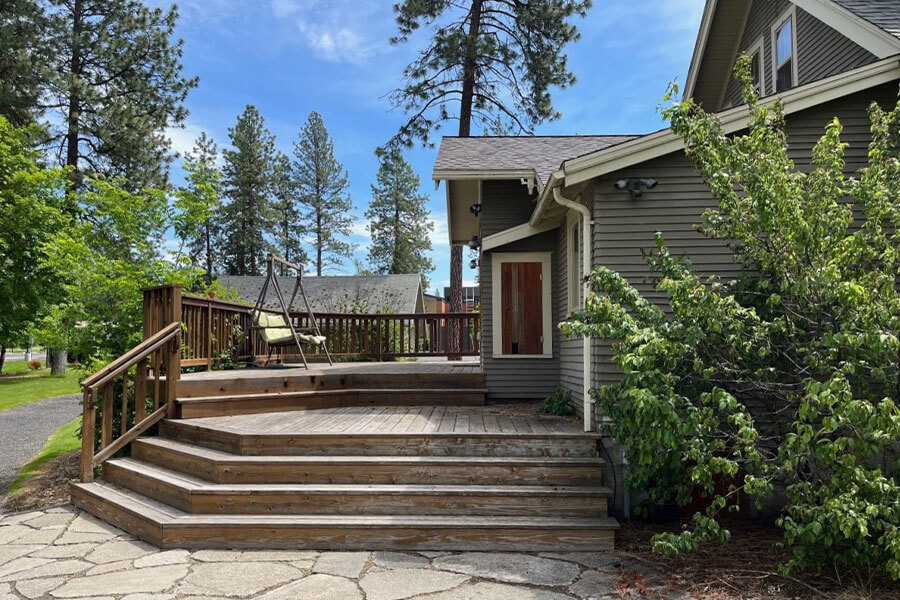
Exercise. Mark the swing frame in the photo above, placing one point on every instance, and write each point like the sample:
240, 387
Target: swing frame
258, 309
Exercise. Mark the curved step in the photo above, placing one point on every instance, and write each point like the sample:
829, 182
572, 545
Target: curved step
223, 467
170, 528
255, 403
298, 443
197, 496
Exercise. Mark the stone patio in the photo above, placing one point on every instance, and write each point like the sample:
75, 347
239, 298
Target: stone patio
61, 553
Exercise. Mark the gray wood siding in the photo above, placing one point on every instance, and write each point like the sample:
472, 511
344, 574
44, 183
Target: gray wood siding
506, 204
571, 351
821, 50
624, 228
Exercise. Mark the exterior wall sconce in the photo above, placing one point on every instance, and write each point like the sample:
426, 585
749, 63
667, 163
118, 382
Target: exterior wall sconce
475, 209
636, 186
474, 243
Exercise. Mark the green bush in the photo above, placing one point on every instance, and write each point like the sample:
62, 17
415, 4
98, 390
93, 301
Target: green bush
788, 377
558, 403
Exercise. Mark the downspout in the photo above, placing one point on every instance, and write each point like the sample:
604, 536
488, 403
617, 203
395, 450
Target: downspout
586, 262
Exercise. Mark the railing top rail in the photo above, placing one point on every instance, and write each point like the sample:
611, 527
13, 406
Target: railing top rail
195, 300
116, 367
162, 287
389, 315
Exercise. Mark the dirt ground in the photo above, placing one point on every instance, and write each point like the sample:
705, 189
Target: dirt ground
49, 487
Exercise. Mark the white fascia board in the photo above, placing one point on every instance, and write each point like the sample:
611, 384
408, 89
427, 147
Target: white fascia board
467, 174
665, 142
545, 198
871, 37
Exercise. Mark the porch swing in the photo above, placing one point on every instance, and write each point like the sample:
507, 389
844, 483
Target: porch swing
277, 330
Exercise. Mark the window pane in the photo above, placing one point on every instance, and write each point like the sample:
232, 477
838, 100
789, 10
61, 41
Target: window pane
784, 45
755, 71
785, 77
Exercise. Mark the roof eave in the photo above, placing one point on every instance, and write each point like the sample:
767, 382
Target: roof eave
699, 47
665, 142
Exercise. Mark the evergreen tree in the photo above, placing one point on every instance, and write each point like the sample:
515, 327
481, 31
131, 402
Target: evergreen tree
322, 184
399, 221
198, 204
114, 84
289, 226
495, 57
21, 53
247, 216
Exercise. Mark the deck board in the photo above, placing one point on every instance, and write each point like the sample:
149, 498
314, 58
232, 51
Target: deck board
393, 420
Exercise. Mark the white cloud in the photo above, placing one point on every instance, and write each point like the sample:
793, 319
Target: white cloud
359, 229
183, 138
439, 235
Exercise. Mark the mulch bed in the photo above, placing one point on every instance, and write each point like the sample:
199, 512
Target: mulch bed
744, 569
49, 487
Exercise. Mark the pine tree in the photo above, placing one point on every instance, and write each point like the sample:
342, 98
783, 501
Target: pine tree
290, 228
198, 204
399, 221
322, 184
495, 57
21, 54
114, 84
247, 216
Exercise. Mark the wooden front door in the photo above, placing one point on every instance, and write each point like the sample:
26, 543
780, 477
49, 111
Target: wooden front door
522, 310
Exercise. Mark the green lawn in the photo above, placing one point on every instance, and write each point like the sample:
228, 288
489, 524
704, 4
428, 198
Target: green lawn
65, 440
14, 392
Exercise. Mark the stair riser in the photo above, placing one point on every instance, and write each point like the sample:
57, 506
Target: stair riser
192, 388
384, 444
433, 474
236, 405
112, 513
391, 538
199, 502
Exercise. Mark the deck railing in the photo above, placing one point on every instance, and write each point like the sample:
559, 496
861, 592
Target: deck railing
216, 331
123, 419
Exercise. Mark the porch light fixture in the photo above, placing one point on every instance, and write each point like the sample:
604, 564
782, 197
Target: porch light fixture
474, 243
473, 264
636, 186
475, 209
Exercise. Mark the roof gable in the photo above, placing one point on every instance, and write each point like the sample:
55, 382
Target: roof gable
870, 24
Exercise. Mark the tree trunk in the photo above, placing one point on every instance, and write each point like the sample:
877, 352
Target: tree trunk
209, 265
2, 358
465, 130
74, 116
60, 358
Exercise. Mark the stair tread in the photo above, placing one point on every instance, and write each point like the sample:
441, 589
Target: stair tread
231, 431
219, 456
332, 392
167, 516
202, 486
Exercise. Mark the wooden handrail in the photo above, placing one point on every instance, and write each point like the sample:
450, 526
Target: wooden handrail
127, 360
159, 352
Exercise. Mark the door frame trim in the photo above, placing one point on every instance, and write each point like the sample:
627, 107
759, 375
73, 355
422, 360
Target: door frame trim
497, 259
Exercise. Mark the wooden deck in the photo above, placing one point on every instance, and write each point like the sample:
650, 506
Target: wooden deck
431, 367
393, 419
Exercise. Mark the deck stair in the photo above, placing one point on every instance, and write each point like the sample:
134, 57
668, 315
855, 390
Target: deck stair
350, 477
295, 389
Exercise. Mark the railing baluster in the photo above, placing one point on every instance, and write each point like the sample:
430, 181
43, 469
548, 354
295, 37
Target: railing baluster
88, 417
140, 391
123, 427
106, 426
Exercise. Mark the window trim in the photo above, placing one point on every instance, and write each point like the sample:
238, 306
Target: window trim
497, 259
758, 46
790, 13
574, 264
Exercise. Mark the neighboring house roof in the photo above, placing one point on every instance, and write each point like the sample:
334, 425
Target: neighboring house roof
526, 156
873, 24
338, 293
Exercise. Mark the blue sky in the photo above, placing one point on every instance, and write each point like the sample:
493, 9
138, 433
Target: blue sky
289, 57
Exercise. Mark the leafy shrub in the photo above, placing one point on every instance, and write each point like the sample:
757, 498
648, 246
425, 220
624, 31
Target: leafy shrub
558, 403
787, 377
35, 365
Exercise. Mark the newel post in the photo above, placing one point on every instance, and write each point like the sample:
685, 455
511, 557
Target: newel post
88, 415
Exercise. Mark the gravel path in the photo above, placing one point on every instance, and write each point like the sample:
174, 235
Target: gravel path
24, 430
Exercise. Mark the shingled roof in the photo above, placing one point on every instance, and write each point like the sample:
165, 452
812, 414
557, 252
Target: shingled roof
884, 14
338, 293
539, 154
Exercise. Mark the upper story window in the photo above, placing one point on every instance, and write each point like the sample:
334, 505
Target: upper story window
755, 52
784, 45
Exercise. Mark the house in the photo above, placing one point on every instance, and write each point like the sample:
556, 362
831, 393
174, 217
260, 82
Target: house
545, 210
471, 296
398, 294
436, 304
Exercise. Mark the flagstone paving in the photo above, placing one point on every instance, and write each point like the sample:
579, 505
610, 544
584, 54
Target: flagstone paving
61, 553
